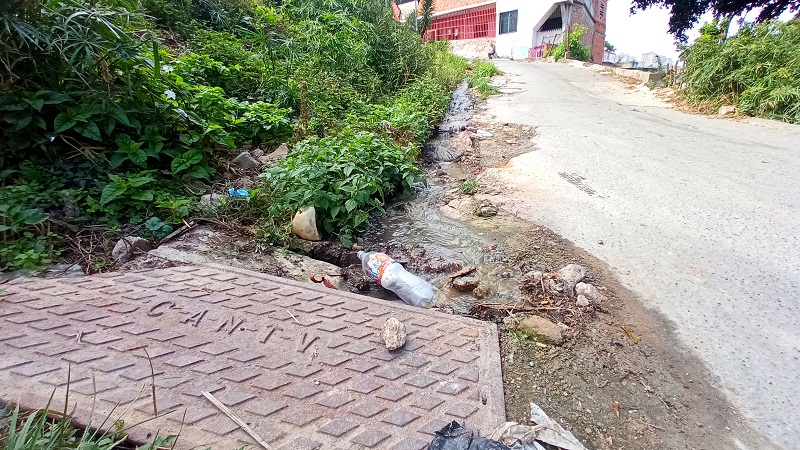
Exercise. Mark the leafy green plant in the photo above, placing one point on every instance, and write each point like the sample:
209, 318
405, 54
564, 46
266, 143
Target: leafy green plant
344, 178
468, 187
577, 49
480, 78
517, 338
110, 109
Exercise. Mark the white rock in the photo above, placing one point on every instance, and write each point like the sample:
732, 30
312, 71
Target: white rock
589, 291
582, 301
211, 201
394, 334
726, 110
127, 247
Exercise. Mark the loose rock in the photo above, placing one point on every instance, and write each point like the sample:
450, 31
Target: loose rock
65, 271
531, 281
486, 209
127, 247
245, 183
271, 159
394, 334
726, 110
570, 275
245, 161
541, 329
588, 291
582, 301
466, 284
211, 201
481, 291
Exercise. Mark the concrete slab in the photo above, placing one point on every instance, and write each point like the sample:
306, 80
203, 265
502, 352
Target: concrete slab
320, 379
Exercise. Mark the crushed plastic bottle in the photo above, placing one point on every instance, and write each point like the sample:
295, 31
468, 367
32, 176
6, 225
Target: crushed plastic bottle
393, 276
238, 192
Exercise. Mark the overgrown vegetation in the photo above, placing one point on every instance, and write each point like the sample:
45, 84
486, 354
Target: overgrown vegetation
120, 114
758, 70
577, 49
480, 78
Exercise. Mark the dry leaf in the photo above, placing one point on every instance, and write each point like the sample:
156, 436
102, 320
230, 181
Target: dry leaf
462, 272
630, 334
616, 408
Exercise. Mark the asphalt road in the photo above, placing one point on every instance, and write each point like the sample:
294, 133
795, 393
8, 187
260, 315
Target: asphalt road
699, 216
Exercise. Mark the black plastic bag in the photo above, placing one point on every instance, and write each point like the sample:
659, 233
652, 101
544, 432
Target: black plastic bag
456, 437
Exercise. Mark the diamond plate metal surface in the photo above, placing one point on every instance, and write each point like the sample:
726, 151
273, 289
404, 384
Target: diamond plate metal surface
321, 379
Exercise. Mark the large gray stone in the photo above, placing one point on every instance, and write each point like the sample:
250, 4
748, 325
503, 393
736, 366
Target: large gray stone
570, 275
128, 247
245, 161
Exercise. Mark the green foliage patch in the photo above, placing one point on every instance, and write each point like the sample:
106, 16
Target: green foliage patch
480, 78
111, 109
577, 49
758, 70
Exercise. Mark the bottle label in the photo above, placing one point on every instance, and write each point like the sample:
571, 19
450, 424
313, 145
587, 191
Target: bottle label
376, 266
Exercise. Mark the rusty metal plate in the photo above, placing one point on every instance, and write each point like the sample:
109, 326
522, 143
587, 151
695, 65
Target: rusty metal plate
304, 366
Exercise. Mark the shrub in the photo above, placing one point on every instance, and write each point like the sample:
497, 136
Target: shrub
343, 177
577, 49
758, 70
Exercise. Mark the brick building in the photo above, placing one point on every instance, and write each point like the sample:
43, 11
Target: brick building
519, 28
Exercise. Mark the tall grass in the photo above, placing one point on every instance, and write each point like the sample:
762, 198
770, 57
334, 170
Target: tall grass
758, 70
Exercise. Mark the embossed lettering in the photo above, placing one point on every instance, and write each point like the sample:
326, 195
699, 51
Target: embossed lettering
153, 313
195, 318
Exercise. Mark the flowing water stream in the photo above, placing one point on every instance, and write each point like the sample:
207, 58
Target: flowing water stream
418, 221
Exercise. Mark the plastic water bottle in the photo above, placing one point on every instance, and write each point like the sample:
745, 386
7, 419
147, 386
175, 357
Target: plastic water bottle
393, 276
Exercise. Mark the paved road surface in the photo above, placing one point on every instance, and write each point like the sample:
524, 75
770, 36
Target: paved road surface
699, 216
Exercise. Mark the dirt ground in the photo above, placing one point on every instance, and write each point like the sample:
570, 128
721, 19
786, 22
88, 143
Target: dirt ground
611, 392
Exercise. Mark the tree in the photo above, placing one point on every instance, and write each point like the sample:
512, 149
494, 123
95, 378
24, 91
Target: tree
426, 19
684, 14
610, 47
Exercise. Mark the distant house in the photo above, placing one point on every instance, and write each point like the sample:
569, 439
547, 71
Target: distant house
519, 28
653, 60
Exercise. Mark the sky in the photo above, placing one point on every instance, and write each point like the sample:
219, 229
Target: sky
646, 31
643, 32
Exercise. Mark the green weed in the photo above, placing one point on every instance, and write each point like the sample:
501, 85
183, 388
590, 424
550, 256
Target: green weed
468, 187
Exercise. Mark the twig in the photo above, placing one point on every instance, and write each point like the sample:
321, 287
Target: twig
177, 233
152, 382
651, 425
236, 419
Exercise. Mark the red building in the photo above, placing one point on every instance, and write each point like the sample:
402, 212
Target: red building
518, 28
